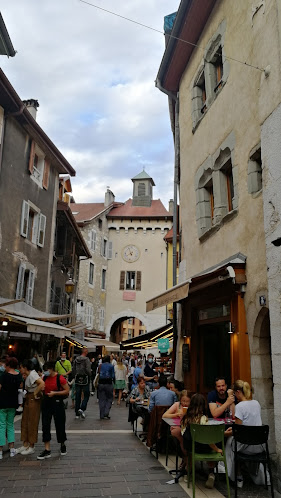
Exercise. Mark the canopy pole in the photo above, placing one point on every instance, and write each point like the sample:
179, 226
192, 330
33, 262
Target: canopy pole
175, 227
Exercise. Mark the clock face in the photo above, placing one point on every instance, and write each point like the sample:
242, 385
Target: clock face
130, 254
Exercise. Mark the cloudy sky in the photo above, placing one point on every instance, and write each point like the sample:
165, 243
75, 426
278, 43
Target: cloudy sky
93, 75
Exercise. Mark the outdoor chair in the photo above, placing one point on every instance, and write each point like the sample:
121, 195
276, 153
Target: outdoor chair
157, 429
252, 435
207, 434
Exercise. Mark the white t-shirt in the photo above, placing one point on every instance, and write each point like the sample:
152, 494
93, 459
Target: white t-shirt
120, 373
30, 381
249, 412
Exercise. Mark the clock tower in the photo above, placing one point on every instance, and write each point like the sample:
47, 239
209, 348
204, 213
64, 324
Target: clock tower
143, 189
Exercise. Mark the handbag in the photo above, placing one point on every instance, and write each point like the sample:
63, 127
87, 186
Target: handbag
81, 379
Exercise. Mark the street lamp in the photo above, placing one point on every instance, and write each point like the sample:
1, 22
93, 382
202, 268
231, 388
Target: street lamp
69, 286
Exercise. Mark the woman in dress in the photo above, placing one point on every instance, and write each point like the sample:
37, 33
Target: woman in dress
247, 412
105, 387
120, 371
9, 385
34, 386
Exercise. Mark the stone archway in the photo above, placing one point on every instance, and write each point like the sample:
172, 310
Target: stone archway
117, 318
261, 367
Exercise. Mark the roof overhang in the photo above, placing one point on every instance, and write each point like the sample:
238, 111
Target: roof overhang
110, 346
64, 207
6, 46
36, 326
15, 107
149, 339
190, 21
232, 269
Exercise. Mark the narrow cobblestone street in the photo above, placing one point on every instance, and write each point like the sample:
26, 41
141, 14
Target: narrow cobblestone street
104, 458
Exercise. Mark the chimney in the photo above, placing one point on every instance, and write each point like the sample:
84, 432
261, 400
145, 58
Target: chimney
31, 105
109, 197
171, 206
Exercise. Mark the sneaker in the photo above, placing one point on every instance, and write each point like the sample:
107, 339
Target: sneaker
13, 452
240, 482
107, 416
28, 451
77, 416
92, 393
19, 409
63, 449
44, 454
82, 413
22, 448
210, 481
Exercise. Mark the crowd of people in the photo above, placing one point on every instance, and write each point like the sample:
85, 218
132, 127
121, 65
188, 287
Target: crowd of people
136, 379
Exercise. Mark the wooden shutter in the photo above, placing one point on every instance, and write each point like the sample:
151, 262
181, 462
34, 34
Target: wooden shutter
122, 280
41, 230
102, 319
109, 250
24, 219
30, 287
20, 281
45, 182
138, 285
31, 157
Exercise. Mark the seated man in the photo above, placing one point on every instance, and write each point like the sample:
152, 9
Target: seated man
162, 396
149, 372
221, 401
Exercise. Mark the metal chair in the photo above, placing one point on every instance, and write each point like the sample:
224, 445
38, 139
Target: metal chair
207, 434
252, 435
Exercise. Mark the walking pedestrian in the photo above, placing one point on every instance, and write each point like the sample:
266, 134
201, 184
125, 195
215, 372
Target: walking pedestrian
82, 372
9, 386
105, 387
34, 386
56, 389
120, 372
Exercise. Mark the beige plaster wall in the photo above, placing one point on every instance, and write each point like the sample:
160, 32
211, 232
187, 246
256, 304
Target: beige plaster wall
242, 105
152, 263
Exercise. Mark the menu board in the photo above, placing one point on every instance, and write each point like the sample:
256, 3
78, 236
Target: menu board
185, 358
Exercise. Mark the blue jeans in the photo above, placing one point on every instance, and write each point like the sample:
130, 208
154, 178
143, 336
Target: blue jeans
79, 390
7, 425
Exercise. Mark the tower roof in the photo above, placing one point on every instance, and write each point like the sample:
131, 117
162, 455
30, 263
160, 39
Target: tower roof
143, 176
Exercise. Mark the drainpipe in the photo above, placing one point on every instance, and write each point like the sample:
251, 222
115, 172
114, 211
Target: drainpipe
175, 226
175, 213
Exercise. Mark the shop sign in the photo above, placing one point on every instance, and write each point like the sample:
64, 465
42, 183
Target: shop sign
20, 335
163, 345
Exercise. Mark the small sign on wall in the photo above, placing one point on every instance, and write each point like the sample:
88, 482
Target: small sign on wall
163, 345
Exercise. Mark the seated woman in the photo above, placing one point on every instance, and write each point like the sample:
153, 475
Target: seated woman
197, 414
178, 410
139, 394
247, 412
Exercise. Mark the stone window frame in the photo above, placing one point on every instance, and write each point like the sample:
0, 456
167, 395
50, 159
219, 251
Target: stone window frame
255, 170
91, 276
213, 205
205, 86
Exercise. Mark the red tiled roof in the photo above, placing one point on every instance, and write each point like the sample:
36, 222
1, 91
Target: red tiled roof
86, 211
156, 210
169, 235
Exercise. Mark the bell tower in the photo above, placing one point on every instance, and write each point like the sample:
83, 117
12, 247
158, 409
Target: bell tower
143, 190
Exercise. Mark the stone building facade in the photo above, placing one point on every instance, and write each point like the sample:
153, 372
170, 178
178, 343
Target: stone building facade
225, 92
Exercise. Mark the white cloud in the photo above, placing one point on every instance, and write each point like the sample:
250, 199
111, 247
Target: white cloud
93, 74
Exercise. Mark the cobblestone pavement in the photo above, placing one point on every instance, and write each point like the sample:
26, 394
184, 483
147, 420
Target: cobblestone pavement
104, 458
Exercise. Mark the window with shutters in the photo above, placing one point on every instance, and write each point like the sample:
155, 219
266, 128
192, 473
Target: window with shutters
33, 224
91, 273
89, 315
109, 249
103, 279
39, 166
93, 240
101, 320
25, 283
130, 280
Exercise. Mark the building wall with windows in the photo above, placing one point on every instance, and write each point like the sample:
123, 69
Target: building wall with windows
92, 287
225, 96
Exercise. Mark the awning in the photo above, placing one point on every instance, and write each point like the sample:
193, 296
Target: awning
80, 343
110, 346
175, 294
230, 268
149, 339
37, 326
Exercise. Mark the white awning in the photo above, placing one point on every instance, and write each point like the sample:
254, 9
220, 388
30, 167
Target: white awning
110, 346
37, 326
173, 295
